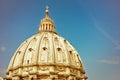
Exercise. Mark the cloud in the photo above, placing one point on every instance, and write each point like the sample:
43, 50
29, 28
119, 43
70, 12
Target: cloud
117, 47
109, 61
3, 49
112, 60
101, 30
106, 34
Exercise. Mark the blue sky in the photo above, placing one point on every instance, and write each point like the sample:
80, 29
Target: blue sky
91, 26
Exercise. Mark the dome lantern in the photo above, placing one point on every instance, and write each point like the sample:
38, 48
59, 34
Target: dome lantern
47, 24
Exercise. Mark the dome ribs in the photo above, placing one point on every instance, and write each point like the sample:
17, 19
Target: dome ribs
39, 48
28, 50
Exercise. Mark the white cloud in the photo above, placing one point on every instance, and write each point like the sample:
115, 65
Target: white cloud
106, 34
105, 61
3, 49
112, 60
117, 47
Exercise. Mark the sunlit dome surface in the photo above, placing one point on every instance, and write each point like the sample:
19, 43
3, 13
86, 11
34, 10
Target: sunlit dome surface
46, 56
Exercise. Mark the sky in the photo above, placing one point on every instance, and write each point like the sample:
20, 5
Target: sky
91, 26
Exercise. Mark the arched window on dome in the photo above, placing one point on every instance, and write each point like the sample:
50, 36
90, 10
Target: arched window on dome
28, 56
74, 58
45, 49
30, 52
59, 55
77, 60
44, 56
71, 57
57, 44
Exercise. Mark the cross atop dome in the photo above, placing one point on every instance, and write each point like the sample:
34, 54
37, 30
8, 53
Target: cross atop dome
47, 24
47, 11
47, 7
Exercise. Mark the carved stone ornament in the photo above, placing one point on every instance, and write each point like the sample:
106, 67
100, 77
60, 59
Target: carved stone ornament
60, 68
44, 68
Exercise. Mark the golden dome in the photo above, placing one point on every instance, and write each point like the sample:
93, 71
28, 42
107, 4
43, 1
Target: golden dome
46, 56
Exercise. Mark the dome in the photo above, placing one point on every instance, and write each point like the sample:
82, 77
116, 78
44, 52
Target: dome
46, 56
